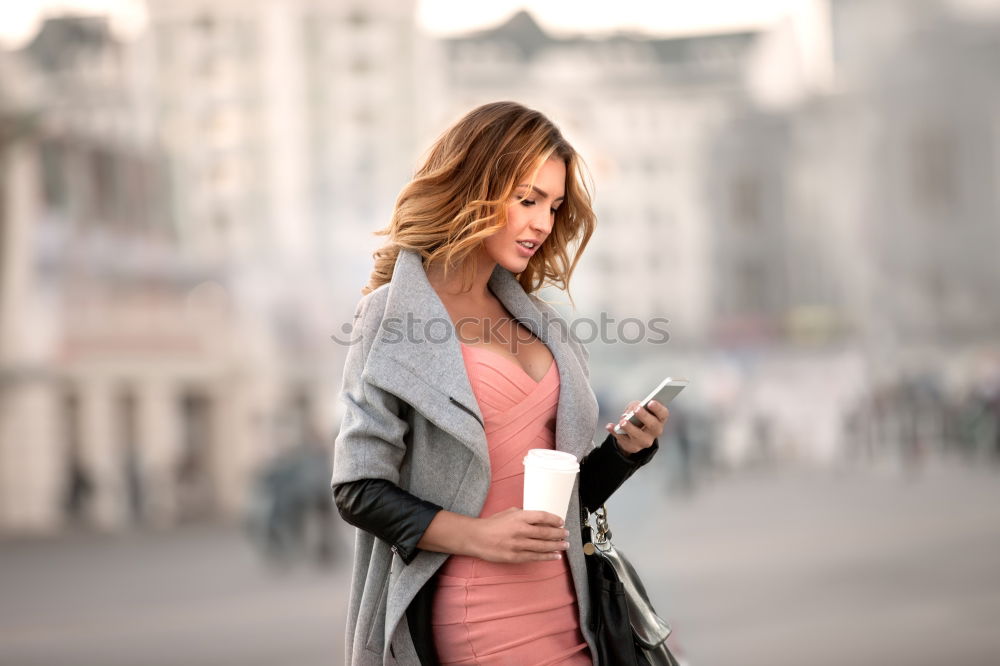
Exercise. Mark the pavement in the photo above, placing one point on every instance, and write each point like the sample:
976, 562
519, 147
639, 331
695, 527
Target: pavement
771, 565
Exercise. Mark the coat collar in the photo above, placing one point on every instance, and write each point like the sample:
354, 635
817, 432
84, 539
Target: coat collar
417, 356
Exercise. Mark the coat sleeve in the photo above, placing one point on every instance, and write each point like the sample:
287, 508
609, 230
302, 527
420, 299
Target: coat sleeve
370, 443
606, 468
387, 511
368, 452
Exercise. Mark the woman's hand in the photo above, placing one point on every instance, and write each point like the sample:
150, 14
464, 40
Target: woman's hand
637, 438
516, 535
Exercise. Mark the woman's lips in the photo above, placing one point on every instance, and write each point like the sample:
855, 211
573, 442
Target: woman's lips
525, 252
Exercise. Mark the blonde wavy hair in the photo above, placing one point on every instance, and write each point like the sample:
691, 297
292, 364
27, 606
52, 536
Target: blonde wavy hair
459, 197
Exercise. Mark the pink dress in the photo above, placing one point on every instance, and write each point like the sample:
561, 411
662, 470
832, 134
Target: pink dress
522, 614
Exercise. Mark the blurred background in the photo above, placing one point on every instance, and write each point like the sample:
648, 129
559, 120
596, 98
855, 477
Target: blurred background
806, 189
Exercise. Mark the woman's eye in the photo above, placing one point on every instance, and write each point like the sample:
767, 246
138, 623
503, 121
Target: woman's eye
527, 202
554, 210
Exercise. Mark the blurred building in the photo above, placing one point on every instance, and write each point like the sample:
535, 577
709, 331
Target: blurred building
926, 100
79, 180
185, 220
854, 215
641, 112
875, 187
181, 221
115, 354
299, 112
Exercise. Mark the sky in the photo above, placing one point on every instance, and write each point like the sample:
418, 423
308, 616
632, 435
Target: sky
662, 16
18, 20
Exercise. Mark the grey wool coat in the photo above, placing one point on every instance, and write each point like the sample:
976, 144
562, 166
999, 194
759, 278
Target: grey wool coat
406, 350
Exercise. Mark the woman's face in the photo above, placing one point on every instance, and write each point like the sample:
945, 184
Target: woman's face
530, 216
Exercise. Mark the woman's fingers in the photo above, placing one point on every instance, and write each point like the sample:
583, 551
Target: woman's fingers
528, 536
516, 535
541, 518
651, 421
635, 433
660, 411
542, 545
629, 409
610, 427
540, 539
545, 533
651, 427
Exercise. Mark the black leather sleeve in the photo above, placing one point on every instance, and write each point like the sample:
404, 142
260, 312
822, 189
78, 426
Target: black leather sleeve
382, 508
606, 468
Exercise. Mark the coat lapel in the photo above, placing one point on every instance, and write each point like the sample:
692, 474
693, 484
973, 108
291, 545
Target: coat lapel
416, 355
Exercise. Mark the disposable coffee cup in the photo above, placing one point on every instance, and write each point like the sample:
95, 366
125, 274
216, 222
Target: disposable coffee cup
548, 480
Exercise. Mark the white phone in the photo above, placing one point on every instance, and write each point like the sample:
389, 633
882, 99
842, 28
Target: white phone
663, 394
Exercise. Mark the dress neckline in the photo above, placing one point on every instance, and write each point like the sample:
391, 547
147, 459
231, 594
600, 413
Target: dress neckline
552, 363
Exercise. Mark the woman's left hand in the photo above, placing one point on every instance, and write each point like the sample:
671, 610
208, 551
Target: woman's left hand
637, 438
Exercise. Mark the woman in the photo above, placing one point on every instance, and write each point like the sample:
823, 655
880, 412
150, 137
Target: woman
456, 369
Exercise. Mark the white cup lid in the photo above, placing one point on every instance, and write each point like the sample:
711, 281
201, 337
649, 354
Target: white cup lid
559, 461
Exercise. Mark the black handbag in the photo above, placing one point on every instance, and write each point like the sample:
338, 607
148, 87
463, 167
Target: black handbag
627, 630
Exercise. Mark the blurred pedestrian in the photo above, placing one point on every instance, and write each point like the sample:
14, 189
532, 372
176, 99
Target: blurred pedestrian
291, 493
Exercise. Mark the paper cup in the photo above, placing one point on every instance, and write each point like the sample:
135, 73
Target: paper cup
548, 480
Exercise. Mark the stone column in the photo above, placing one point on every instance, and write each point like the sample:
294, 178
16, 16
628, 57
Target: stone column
32, 458
101, 454
159, 433
242, 404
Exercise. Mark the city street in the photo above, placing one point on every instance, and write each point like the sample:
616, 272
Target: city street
764, 566
234, 242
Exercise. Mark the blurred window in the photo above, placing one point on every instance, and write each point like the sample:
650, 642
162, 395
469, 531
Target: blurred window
205, 23
221, 221
358, 18
103, 191
653, 218
746, 200
751, 286
361, 65
934, 168
53, 167
246, 38
364, 116
165, 44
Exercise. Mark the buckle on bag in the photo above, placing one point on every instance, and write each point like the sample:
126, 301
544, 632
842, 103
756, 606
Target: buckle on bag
602, 540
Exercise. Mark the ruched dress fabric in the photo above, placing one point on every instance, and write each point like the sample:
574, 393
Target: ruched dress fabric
508, 614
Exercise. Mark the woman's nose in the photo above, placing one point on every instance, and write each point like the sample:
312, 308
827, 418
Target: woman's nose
542, 222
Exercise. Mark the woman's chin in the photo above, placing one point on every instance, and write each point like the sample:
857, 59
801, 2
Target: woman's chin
515, 264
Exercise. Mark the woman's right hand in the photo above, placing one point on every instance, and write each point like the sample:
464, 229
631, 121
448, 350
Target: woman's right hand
516, 535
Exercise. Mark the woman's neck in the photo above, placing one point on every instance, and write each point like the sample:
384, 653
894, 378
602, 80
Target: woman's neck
451, 287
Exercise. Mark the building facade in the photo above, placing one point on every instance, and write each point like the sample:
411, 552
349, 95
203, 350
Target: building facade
183, 216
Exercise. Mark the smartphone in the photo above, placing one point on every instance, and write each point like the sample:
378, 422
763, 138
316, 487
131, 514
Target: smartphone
663, 394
